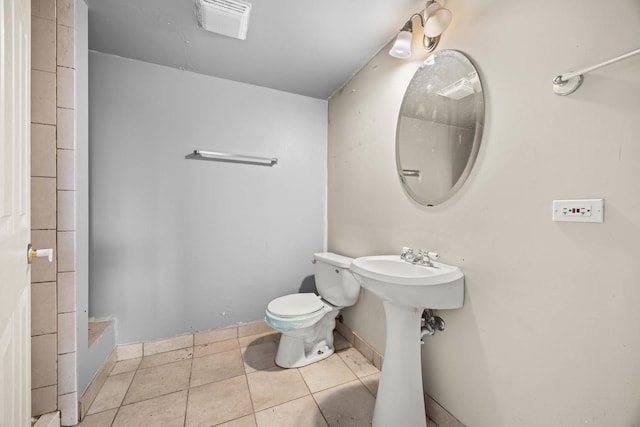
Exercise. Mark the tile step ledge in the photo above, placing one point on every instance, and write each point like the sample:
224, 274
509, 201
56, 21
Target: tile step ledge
97, 328
52, 419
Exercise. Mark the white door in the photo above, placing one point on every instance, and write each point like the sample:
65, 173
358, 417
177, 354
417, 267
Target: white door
15, 273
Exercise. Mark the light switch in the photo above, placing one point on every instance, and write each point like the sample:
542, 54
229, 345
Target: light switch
578, 210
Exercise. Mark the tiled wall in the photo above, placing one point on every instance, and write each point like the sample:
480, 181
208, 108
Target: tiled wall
53, 329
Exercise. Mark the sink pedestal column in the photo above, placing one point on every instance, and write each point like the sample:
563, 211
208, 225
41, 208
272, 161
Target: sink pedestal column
400, 400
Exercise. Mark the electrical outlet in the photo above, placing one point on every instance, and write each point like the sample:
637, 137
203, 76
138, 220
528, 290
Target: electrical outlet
578, 210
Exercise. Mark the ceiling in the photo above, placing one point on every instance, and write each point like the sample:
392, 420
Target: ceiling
308, 47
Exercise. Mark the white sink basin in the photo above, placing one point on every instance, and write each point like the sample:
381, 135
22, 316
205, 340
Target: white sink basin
406, 289
411, 285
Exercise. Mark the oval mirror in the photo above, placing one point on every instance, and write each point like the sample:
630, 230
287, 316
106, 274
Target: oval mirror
439, 127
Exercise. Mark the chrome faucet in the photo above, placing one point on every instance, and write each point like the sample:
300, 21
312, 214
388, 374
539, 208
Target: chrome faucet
421, 258
407, 254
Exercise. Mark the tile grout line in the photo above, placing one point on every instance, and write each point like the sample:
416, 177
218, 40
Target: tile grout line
365, 386
253, 409
314, 398
281, 403
320, 409
357, 376
246, 380
165, 363
125, 394
143, 400
345, 362
193, 356
303, 380
324, 417
149, 398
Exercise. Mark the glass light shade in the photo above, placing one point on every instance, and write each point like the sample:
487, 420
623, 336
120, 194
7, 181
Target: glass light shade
437, 19
402, 47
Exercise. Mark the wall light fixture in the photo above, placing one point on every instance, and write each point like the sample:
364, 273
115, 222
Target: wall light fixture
434, 19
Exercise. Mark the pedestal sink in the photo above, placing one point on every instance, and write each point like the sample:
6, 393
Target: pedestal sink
406, 290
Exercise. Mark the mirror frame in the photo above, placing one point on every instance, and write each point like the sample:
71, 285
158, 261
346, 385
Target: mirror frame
477, 138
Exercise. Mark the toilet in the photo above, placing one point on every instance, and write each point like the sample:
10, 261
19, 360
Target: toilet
307, 320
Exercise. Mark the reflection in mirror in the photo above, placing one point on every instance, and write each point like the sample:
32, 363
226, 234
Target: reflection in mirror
439, 127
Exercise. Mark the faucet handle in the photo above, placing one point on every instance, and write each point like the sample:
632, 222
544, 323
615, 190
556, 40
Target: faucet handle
425, 257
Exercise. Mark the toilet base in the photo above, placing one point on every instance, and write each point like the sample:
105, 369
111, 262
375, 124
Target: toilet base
302, 347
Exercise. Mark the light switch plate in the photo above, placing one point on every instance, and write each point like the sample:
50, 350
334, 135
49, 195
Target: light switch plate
578, 210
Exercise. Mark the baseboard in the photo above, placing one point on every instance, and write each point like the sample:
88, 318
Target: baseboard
96, 384
439, 415
361, 345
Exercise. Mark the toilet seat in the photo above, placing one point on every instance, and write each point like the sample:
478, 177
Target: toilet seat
297, 311
296, 305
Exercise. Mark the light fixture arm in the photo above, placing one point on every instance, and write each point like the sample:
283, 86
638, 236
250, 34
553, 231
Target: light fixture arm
429, 3
408, 26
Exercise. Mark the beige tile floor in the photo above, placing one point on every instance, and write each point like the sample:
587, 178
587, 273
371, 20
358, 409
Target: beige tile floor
235, 383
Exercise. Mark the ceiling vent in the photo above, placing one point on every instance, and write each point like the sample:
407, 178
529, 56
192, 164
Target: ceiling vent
227, 17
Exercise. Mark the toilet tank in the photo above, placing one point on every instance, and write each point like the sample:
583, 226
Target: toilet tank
334, 280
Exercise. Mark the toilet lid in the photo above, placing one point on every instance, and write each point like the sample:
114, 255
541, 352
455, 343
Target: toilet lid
295, 305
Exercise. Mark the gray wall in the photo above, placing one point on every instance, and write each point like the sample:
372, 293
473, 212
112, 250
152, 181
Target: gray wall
181, 245
549, 331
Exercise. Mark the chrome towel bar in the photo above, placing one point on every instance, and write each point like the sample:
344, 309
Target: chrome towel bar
567, 83
232, 158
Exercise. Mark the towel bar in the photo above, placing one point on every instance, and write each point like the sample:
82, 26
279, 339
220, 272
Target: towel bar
232, 158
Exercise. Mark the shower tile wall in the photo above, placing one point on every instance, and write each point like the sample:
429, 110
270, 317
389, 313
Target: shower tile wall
53, 307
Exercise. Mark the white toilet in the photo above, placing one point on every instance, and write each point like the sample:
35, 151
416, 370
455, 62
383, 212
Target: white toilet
307, 320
